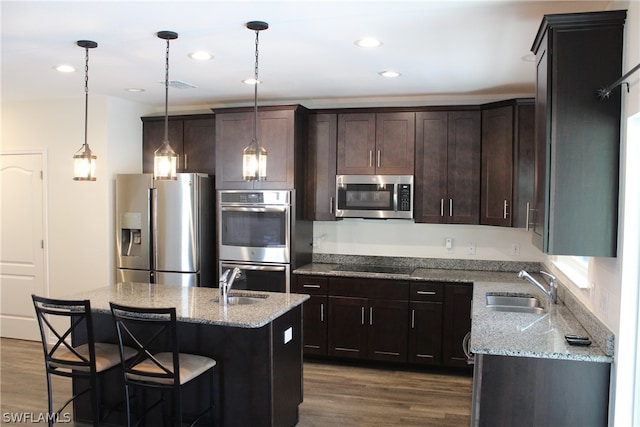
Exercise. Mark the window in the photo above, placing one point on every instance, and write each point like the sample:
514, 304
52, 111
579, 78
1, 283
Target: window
576, 268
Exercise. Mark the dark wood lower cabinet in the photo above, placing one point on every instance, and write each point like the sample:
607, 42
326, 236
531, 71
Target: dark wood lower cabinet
420, 323
523, 391
457, 322
425, 335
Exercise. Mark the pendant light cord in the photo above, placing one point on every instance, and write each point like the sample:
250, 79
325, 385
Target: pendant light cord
86, 95
255, 94
166, 95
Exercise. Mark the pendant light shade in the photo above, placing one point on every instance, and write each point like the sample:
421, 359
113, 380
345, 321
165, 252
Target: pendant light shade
84, 161
165, 159
254, 156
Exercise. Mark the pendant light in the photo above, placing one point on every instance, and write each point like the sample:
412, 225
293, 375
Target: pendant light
254, 156
165, 160
84, 161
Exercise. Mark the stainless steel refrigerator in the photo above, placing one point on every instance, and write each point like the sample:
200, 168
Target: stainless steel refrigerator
165, 230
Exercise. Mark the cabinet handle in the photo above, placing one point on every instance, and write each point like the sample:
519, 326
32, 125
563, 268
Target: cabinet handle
426, 292
370, 158
504, 209
331, 204
310, 286
185, 160
413, 319
378, 159
362, 315
450, 207
526, 227
322, 312
370, 316
441, 207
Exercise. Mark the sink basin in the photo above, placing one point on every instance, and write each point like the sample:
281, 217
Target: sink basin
514, 303
243, 299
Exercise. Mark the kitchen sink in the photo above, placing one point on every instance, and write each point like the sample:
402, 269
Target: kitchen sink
240, 299
514, 303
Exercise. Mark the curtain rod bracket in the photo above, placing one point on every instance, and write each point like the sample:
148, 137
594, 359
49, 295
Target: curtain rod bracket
605, 92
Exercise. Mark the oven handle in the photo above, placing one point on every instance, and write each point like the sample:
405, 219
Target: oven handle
255, 267
254, 208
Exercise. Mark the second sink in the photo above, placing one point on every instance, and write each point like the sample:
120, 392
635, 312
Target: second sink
514, 303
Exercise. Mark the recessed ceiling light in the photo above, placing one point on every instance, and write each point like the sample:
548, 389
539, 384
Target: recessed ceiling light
389, 73
368, 42
134, 89
251, 81
200, 55
64, 68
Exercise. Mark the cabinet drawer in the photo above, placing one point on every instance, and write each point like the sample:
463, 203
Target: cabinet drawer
427, 291
369, 288
312, 285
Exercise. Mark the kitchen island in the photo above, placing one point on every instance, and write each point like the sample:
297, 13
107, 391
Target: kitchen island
258, 349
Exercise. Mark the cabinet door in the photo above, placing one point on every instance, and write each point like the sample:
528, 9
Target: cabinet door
347, 327
356, 144
199, 145
388, 329
497, 167
153, 136
457, 322
431, 166
463, 161
395, 143
425, 333
524, 166
320, 180
315, 325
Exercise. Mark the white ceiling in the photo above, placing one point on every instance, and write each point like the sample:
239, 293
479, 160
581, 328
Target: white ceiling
443, 49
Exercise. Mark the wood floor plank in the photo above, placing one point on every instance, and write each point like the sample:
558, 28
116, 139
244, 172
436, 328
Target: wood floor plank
334, 394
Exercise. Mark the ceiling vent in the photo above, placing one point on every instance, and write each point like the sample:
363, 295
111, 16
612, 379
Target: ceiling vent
178, 84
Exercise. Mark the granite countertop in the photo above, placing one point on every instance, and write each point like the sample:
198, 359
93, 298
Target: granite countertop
194, 304
418, 274
503, 333
524, 334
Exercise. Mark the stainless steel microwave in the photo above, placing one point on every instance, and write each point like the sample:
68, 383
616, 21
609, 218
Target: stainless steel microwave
374, 196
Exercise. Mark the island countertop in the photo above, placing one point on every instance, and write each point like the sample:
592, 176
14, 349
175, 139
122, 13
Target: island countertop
194, 304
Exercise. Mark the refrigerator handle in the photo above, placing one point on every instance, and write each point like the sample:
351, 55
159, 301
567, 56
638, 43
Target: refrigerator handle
153, 202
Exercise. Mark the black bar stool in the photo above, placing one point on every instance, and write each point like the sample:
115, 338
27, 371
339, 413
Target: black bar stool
62, 358
158, 364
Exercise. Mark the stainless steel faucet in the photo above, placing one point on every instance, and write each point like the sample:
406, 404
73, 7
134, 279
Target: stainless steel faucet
225, 282
553, 287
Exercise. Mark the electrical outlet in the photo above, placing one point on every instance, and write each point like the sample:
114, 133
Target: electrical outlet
515, 249
471, 248
448, 245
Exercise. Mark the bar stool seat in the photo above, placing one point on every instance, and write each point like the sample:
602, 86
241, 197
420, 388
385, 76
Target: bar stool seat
62, 358
158, 364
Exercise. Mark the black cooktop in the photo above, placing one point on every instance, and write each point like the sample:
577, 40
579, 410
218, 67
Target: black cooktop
375, 269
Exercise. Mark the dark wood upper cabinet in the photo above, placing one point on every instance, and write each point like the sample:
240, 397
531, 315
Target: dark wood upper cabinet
577, 134
506, 189
320, 181
376, 143
281, 131
447, 167
191, 136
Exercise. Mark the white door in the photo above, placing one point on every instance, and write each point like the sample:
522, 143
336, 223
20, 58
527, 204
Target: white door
21, 243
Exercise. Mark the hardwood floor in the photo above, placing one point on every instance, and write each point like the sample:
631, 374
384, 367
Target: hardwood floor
334, 394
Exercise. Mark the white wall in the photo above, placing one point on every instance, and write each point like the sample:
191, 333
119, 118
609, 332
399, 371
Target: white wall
79, 239
408, 239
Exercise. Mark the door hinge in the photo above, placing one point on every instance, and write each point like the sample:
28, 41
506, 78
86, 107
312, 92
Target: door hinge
41, 244
41, 175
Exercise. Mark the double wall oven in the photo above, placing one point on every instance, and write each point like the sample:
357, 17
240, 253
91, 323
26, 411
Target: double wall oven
254, 232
